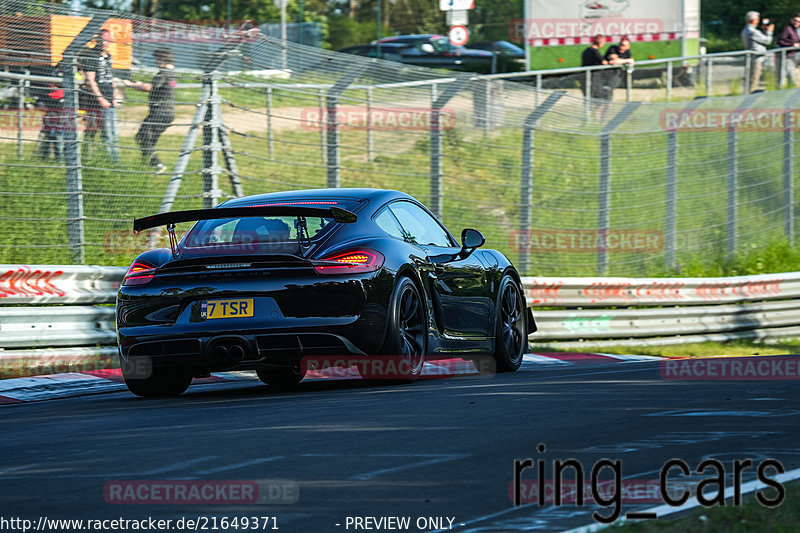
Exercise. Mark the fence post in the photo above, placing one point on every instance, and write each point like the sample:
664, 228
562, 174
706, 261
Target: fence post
782, 69
604, 198
20, 108
72, 153
629, 68
748, 65
669, 81
671, 207
72, 162
437, 170
332, 102
709, 69
436, 155
538, 87
788, 168
526, 177
587, 97
322, 125
369, 124
211, 146
733, 174
270, 142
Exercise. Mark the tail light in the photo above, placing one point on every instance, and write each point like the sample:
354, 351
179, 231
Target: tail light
139, 273
354, 262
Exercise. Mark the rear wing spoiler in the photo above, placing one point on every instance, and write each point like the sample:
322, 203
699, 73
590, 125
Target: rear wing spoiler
192, 215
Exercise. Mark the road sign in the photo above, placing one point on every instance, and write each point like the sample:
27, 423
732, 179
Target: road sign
451, 5
459, 35
458, 17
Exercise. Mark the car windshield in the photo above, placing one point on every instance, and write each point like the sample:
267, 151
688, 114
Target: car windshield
442, 44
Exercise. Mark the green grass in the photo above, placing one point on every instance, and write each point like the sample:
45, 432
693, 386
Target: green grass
749, 517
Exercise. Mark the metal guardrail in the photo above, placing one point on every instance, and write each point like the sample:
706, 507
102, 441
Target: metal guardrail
596, 311
651, 311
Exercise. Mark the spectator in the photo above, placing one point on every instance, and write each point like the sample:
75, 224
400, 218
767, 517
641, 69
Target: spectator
619, 54
593, 57
756, 41
790, 37
99, 89
50, 100
161, 101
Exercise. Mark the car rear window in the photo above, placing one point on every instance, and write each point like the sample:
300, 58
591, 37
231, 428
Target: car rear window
279, 231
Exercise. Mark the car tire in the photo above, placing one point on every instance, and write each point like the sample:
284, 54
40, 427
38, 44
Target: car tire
406, 334
285, 376
161, 383
511, 335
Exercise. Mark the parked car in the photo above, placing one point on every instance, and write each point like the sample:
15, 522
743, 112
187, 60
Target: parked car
388, 51
432, 50
262, 282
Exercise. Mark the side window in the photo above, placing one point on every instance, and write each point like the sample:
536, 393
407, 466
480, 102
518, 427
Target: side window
419, 225
386, 221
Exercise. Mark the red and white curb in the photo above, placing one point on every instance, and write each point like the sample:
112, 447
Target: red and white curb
71, 384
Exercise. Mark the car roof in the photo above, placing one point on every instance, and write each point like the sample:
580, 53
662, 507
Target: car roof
416, 36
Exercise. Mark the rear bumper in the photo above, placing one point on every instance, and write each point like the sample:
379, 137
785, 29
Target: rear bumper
293, 318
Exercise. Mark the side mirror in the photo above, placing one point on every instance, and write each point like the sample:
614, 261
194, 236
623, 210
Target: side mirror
471, 239
427, 48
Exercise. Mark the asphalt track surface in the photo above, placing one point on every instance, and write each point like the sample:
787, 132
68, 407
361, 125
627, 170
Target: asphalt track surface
435, 448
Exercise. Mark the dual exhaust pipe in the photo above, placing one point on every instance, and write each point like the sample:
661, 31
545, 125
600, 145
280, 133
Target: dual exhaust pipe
229, 350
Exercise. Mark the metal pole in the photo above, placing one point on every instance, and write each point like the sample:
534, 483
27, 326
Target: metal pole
782, 69
538, 87
669, 81
437, 169
72, 161
709, 70
587, 97
629, 82
526, 177
747, 66
323, 143
670, 221
788, 182
283, 33
270, 143
733, 193
20, 108
334, 180
486, 97
211, 192
604, 197
378, 25
369, 124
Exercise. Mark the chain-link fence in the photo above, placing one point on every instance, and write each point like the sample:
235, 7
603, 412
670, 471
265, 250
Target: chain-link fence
564, 185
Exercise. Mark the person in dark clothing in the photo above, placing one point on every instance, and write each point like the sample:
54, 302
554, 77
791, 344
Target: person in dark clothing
50, 100
98, 95
161, 101
618, 54
790, 36
592, 57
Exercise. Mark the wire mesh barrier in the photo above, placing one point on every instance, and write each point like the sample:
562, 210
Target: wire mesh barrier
565, 185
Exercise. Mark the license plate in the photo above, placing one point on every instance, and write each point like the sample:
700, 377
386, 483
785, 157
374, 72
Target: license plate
226, 309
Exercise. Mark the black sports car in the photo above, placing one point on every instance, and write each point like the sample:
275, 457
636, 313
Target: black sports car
267, 281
